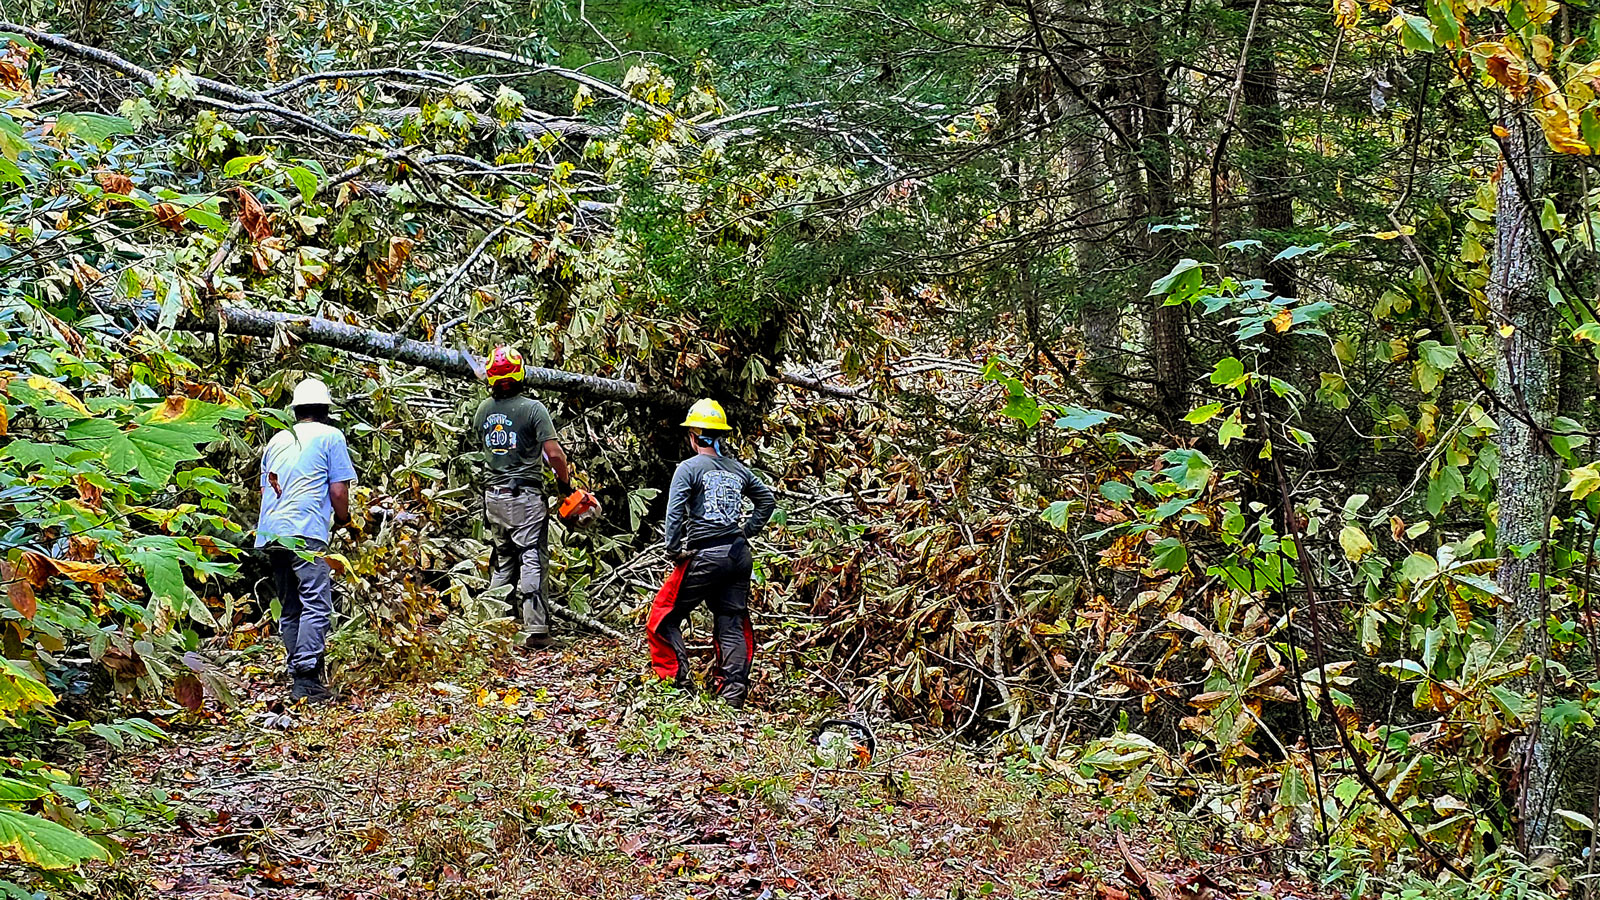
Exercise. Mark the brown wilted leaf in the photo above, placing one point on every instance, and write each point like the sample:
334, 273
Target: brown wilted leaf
92, 495
253, 216
18, 590
169, 216
85, 572
124, 662
172, 408
114, 183
82, 548
1506, 66
189, 691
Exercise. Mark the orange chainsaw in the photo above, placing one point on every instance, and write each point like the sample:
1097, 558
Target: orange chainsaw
580, 509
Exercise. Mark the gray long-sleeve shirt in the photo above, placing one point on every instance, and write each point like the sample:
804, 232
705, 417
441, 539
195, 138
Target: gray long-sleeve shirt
707, 501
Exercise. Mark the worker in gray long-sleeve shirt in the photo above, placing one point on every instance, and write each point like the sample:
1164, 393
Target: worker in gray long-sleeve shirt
707, 535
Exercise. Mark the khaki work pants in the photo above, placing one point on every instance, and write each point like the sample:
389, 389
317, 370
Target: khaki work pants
519, 521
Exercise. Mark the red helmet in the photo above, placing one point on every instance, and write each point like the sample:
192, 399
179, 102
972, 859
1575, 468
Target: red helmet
505, 364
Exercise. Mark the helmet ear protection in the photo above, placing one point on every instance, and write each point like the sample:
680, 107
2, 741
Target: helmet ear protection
505, 365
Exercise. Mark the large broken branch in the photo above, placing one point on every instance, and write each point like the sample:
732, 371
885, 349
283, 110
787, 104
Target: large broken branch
376, 344
382, 345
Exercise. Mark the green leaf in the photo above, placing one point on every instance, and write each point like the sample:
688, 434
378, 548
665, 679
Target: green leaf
1116, 491
12, 140
1447, 30
1231, 429
1056, 514
1576, 819
1416, 33
163, 574
1203, 414
92, 127
1228, 371
239, 165
42, 843
1416, 567
1182, 282
1444, 487
1549, 219
1588, 331
1170, 554
1076, 418
1292, 252
151, 450
1024, 409
206, 218
1403, 669
10, 174
305, 180
1437, 355
1292, 791
1589, 124
14, 791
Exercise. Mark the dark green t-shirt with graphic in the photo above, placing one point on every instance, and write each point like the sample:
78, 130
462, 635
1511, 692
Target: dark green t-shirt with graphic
512, 433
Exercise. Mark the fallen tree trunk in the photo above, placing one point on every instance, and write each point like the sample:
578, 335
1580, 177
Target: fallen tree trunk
382, 345
376, 344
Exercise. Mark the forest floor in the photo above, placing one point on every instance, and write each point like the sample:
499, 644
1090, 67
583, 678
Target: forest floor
562, 773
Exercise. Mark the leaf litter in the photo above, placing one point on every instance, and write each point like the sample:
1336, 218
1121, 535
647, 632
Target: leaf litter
565, 774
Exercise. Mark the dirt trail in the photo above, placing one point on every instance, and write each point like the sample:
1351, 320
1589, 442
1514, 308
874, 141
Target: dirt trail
562, 774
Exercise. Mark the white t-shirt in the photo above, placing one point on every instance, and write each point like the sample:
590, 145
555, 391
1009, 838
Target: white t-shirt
306, 460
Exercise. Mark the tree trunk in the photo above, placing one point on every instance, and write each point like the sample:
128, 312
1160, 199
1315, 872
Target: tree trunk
1526, 388
1167, 325
1267, 157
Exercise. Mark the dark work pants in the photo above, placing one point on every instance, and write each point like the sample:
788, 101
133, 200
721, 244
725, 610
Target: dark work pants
305, 598
719, 577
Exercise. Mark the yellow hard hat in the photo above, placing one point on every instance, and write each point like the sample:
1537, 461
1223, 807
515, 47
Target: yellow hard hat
707, 414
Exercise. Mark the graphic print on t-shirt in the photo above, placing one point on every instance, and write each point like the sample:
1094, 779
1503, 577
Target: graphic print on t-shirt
723, 494
499, 434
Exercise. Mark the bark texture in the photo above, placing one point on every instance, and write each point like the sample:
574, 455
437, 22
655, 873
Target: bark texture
1524, 381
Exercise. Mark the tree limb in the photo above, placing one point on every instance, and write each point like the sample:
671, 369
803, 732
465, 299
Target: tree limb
376, 344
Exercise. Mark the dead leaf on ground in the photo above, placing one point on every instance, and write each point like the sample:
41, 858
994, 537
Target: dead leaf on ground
190, 692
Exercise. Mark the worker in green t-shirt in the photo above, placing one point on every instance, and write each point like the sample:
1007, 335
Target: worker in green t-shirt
518, 438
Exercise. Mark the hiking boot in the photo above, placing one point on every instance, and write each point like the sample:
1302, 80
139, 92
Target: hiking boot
535, 640
309, 687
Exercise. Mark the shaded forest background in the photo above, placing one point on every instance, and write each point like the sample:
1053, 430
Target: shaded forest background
1192, 400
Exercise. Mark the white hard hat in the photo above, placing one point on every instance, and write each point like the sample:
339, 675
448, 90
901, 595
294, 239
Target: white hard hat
311, 392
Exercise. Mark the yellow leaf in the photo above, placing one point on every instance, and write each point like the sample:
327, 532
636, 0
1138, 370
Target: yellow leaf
1507, 330
511, 698
1500, 132
1355, 542
1282, 321
54, 389
1583, 481
1543, 50
1346, 13
1557, 119
1386, 235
